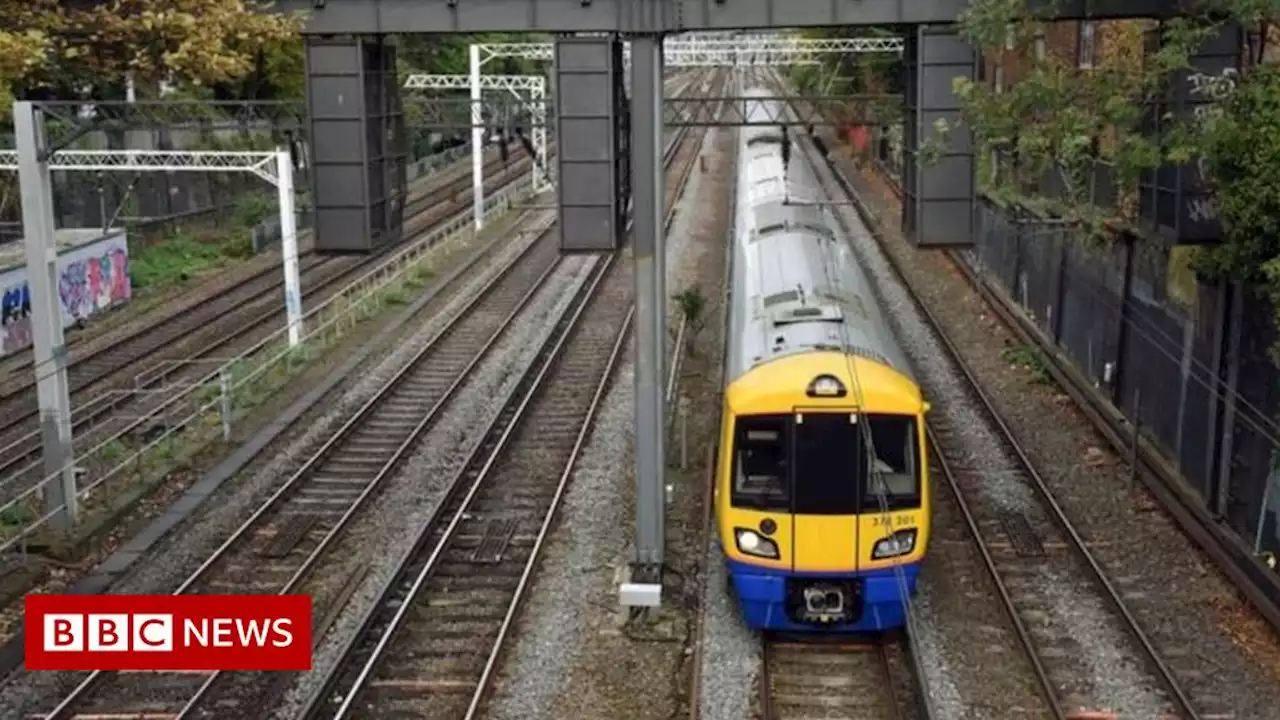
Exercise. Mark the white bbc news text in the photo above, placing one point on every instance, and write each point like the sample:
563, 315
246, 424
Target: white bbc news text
225, 632
123, 632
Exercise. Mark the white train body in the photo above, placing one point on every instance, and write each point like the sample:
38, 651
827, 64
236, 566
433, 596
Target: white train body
796, 286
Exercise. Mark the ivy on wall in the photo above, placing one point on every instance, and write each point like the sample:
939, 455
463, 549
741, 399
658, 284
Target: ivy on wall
1043, 138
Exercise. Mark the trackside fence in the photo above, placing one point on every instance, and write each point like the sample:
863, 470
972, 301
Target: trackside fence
197, 413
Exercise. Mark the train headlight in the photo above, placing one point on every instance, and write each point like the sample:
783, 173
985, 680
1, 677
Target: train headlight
899, 543
751, 542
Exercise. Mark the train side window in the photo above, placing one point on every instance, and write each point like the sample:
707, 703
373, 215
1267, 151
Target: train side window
897, 476
760, 463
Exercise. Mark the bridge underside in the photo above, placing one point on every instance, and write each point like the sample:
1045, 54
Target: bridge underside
376, 17
359, 186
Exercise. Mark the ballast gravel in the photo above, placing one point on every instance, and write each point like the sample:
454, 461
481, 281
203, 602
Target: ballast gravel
183, 549
405, 506
569, 602
731, 653
1100, 638
1225, 655
570, 654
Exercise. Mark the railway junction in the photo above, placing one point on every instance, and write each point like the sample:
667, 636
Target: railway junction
475, 414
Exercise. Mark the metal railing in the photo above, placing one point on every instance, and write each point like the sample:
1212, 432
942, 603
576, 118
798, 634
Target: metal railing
205, 409
435, 161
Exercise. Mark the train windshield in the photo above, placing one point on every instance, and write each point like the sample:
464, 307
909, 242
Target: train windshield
822, 465
760, 455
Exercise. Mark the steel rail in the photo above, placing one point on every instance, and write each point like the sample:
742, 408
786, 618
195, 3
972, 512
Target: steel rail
910, 647
879, 647
1047, 690
341, 434
1172, 685
91, 410
1026, 467
514, 606
350, 694
430, 194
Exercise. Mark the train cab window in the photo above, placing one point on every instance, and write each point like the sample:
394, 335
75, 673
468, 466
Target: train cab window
760, 460
896, 475
827, 464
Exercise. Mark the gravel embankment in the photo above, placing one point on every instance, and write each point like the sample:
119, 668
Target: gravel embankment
442, 259
1095, 644
395, 519
179, 553
1227, 658
731, 654
571, 654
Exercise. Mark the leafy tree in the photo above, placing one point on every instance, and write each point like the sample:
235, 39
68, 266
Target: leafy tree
1058, 125
72, 49
1243, 154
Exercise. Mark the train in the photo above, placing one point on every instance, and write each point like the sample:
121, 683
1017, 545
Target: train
822, 500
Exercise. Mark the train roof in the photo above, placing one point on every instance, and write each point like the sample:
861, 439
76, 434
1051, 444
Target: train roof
782, 383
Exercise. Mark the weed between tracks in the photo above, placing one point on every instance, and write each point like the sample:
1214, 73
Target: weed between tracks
186, 255
1030, 360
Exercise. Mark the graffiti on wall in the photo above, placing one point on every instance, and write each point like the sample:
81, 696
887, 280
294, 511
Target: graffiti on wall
91, 278
15, 318
91, 284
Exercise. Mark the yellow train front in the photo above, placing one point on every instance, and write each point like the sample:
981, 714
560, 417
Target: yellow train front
822, 492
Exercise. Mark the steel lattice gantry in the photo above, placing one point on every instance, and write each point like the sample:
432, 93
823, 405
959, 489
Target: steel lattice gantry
531, 93
34, 159
710, 52
743, 50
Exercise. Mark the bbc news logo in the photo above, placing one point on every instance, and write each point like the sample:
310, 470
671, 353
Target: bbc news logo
168, 632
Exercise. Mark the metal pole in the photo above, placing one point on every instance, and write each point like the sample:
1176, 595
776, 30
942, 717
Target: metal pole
684, 434
50, 351
541, 177
224, 404
646, 184
477, 141
1135, 440
1262, 511
289, 246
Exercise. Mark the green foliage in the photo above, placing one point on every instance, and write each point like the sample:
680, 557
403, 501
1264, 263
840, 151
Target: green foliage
172, 261
1057, 124
51, 48
253, 208
1242, 148
693, 307
1030, 360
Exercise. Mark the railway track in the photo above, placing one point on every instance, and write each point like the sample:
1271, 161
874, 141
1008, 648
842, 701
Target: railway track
1043, 570
105, 360
433, 639
297, 533
227, 324
1035, 554
824, 678
287, 537
854, 677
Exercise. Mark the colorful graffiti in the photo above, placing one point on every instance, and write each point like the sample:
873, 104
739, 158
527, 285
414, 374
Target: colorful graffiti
15, 318
91, 278
94, 283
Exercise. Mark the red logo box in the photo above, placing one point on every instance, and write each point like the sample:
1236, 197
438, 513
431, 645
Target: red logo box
168, 632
